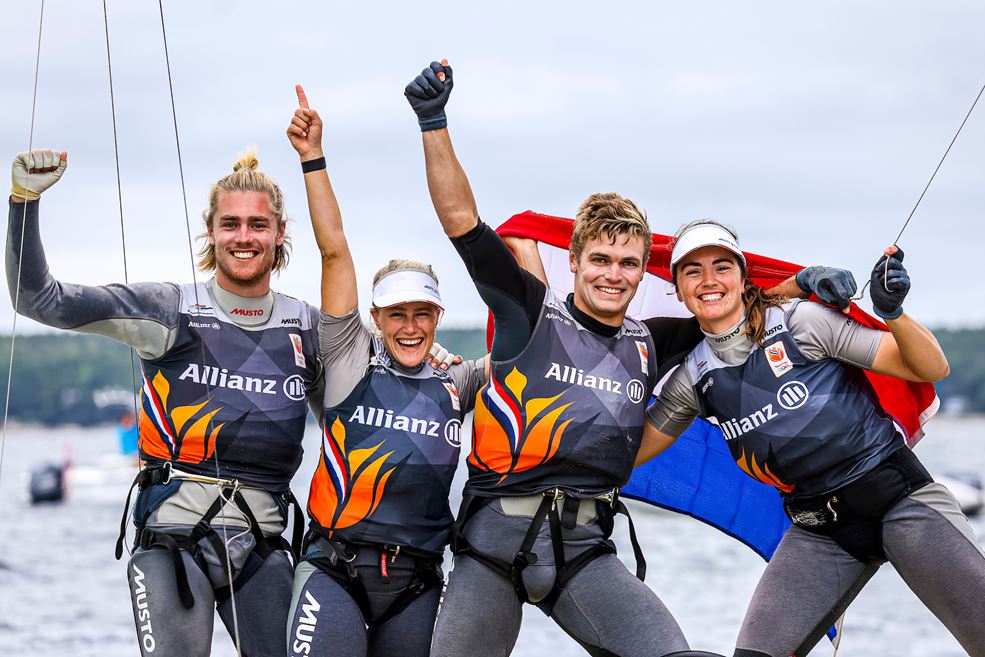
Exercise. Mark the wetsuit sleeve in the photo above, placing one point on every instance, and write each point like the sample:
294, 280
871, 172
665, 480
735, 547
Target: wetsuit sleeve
673, 339
675, 407
344, 346
469, 376
141, 315
822, 332
514, 296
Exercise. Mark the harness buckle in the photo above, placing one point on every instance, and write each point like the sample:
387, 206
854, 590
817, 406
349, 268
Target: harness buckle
834, 514
608, 497
557, 494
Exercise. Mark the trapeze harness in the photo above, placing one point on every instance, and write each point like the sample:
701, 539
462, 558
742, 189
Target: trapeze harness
389, 454
243, 409
815, 431
563, 420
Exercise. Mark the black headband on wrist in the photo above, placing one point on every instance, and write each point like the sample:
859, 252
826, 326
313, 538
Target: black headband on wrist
313, 165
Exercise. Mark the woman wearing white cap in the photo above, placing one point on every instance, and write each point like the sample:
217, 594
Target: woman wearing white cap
370, 578
781, 379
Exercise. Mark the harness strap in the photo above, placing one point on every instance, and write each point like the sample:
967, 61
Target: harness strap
148, 538
297, 526
146, 477
621, 509
606, 508
263, 546
339, 566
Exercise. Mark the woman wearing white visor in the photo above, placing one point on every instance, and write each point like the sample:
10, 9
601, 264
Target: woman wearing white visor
370, 578
781, 379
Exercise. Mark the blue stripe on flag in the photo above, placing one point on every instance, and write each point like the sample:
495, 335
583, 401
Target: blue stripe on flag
697, 476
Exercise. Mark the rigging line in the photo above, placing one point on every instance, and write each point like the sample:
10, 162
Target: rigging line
926, 187
119, 195
20, 260
191, 256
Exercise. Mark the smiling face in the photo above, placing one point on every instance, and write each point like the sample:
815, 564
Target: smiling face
245, 234
710, 283
408, 330
607, 275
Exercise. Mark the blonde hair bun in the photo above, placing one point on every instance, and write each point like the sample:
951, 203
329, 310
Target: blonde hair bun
248, 160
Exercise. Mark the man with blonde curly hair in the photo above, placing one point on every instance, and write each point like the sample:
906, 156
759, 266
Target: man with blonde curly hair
227, 366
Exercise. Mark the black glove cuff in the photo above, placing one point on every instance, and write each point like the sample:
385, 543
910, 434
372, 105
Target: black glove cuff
313, 165
436, 122
888, 315
805, 278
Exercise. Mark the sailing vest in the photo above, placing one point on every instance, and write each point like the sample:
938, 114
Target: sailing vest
805, 427
389, 453
567, 412
228, 398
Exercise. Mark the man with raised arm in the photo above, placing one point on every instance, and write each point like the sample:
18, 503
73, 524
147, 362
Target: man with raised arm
227, 367
556, 429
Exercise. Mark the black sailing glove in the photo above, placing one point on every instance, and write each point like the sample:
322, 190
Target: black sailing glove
427, 95
889, 286
832, 286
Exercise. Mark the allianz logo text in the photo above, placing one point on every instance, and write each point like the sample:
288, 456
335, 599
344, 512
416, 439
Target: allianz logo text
293, 386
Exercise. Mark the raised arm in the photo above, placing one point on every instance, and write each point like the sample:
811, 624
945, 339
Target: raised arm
528, 256
910, 351
141, 315
338, 274
451, 193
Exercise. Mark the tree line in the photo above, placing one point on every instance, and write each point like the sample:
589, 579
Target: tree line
66, 378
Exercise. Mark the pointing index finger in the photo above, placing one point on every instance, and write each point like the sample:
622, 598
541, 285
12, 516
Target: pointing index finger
302, 99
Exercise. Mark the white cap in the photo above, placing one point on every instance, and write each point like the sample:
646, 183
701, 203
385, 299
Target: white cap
405, 286
701, 235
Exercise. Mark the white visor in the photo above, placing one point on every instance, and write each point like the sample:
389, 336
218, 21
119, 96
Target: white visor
405, 286
703, 235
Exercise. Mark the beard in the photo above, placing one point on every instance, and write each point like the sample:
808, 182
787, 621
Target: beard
259, 274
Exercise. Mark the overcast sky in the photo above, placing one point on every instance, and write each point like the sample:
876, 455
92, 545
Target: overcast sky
811, 127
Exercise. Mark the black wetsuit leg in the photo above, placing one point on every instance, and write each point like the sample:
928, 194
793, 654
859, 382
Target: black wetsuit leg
324, 619
610, 612
408, 634
262, 604
807, 585
327, 622
479, 615
932, 546
165, 628
811, 580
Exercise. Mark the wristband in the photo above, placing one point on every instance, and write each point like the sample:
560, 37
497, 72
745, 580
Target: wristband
313, 165
436, 122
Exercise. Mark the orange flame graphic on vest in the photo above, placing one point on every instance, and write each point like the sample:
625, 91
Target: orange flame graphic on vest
513, 434
347, 486
763, 474
178, 434
775, 352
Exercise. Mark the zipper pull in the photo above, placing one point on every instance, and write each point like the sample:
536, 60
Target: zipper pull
396, 551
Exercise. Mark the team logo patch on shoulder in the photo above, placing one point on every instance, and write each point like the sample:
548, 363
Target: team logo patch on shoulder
201, 310
644, 355
298, 350
453, 393
777, 359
